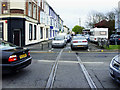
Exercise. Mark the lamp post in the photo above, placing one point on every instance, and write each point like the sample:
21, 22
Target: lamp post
79, 21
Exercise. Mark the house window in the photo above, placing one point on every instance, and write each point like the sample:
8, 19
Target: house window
42, 17
30, 9
35, 32
47, 33
34, 11
42, 4
50, 33
30, 31
1, 31
0, 9
41, 33
51, 22
102, 32
53, 33
4, 8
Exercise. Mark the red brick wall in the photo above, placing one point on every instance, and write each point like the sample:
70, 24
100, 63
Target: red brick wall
17, 11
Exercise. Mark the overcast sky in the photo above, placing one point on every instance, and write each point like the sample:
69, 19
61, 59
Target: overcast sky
71, 10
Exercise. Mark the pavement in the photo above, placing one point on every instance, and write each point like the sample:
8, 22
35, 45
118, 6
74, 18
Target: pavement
45, 46
42, 46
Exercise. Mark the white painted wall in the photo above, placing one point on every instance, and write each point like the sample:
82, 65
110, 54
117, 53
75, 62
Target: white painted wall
5, 33
19, 4
0, 8
27, 41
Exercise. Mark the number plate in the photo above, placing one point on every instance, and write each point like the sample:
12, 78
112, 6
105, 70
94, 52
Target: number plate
23, 56
79, 46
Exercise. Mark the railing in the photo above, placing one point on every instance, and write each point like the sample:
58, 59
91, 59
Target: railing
103, 42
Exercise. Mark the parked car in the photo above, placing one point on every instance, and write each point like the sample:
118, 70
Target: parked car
79, 42
96, 33
115, 68
114, 38
79, 35
59, 41
64, 35
13, 57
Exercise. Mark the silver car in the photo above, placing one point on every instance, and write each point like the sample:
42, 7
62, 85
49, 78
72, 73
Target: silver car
79, 42
115, 68
59, 41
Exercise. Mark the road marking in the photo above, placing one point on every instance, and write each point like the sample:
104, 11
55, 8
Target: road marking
47, 61
65, 61
89, 79
94, 62
42, 52
53, 72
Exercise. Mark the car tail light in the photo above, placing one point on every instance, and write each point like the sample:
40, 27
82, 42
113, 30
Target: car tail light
95, 38
75, 41
12, 58
119, 39
28, 53
84, 41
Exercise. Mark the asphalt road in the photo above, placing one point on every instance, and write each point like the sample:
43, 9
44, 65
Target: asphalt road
71, 69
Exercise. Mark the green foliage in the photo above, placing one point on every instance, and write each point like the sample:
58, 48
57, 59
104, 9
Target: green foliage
113, 47
77, 29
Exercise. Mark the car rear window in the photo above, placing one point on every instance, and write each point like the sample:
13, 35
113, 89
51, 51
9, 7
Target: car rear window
59, 38
4, 44
78, 38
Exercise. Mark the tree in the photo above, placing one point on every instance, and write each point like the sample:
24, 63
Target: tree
77, 29
110, 15
94, 18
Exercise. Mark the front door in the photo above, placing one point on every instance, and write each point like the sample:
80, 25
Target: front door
17, 37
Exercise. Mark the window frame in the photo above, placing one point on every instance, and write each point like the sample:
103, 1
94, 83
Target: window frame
2, 30
34, 11
30, 33
41, 32
35, 32
30, 9
47, 33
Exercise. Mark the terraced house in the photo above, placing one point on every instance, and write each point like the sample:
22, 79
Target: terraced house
25, 22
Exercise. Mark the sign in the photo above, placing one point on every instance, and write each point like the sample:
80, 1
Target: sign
51, 27
116, 21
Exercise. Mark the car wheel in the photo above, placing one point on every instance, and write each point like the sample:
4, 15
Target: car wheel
86, 48
52, 46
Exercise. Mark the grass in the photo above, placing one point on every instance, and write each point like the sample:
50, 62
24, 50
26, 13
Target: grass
113, 47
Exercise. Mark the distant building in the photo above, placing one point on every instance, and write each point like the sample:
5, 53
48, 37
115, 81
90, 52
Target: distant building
65, 29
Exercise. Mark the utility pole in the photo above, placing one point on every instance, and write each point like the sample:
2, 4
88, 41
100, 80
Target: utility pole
79, 22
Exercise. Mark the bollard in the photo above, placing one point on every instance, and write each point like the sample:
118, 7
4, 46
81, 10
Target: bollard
42, 46
101, 50
48, 44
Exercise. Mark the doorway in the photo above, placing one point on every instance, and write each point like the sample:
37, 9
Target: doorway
17, 37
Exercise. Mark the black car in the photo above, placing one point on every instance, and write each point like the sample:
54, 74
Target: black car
115, 39
13, 58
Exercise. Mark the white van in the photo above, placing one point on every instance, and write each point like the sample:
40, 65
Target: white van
63, 34
97, 33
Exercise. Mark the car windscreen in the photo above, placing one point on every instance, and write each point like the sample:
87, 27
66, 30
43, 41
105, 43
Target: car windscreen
78, 38
118, 36
59, 38
6, 45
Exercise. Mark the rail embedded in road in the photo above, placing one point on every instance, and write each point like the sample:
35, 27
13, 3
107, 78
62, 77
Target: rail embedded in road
53, 72
89, 79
